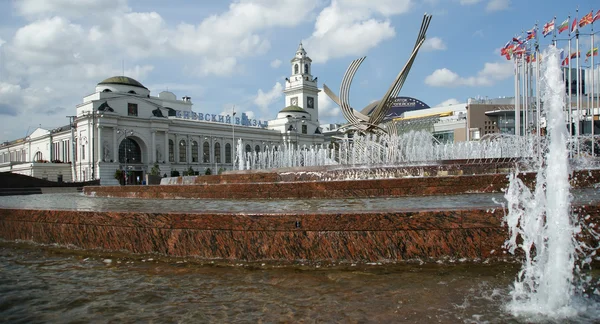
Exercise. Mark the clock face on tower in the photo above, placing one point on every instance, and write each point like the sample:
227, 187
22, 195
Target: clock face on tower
310, 102
294, 101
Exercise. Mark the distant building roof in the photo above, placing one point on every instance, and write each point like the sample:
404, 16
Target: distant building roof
123, 80
295, 109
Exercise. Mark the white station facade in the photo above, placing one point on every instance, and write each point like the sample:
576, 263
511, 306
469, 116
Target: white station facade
122, 127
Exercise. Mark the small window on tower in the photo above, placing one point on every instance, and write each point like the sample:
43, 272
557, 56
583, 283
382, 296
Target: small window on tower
296, 69
305, 68
132, 109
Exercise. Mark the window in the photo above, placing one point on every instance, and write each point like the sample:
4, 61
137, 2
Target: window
38, 156
248, 148
171, 151
195, 151
217, 153
304, 129
305, 68
257, 149
228, 153
206, 152
295, 68
182, 151
131, 91
132, 109
82, 152
129, 151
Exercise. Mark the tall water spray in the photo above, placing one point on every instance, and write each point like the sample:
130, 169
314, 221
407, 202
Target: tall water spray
540, 222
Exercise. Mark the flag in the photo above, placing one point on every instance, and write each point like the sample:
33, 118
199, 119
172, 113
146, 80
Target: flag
565, 62
548, 28
563, 26
574, 26
531, 33
575, 54
589, 53
517, 40
596, 17
587, 19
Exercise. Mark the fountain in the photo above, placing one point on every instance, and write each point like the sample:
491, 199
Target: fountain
542, 225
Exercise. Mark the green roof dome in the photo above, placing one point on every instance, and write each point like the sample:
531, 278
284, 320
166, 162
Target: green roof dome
123, 80
295, 109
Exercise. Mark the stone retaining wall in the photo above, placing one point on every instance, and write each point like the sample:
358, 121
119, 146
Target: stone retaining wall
427, 235
270, 186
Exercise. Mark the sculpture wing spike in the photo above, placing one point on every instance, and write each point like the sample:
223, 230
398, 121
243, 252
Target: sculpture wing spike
384, 105
363, 121
347, 111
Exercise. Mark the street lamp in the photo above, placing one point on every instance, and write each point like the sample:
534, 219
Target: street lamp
232, 137
126, 132
93, 138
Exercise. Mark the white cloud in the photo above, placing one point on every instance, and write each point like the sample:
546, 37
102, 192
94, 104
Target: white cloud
2, 42
434, 44
35, 9
448, 102
264, 99
490, 73
469, 2
10, 99
328, 110
497, 5
342, 18
276, 63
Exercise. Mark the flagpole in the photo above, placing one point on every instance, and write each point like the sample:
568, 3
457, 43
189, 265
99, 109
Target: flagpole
592, 92
577, 89
517, 95
569, 105
525, 91
538, 129
554, 31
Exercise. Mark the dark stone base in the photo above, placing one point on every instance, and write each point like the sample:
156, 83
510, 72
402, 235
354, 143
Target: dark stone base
427, 235
283, 185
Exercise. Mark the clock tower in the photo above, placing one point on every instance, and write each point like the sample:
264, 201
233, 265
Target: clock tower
301, 87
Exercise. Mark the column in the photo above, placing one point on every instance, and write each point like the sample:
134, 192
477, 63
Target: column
188, 152
166, 155
100, 146
115, 147
153, 147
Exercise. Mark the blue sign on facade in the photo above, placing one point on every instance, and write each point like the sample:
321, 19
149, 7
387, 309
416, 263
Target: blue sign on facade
227, 119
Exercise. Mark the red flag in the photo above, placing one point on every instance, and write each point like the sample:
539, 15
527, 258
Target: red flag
587, 19
596, 17
574, 26
565, 61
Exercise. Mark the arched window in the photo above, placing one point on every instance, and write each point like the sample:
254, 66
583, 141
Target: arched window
295, 68
171, 151
129, 151
257, 149
206, 152
182, 151
106, 90
228, 153
131, 91
194, 151
38, 156
248, 148
217, 152
305, 68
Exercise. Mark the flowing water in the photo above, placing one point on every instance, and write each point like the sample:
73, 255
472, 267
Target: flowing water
551, 283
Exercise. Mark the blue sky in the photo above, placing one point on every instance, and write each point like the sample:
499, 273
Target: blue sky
225, 53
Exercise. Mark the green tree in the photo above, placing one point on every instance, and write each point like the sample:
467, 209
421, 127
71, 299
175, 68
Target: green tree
155, 171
